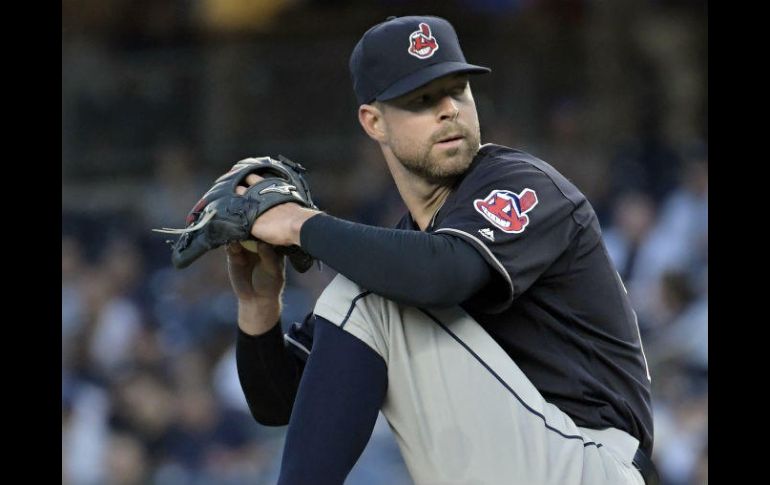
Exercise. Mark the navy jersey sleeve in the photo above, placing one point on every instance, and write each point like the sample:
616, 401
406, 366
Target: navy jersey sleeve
518, 215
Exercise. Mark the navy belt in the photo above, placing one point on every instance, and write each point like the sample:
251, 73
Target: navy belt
646, 467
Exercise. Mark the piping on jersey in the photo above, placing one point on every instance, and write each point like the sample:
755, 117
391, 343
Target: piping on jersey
433, 219
353, 306
489, 253
505, 384
295, 343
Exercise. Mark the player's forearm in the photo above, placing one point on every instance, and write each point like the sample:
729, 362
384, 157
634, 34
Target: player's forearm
410, 267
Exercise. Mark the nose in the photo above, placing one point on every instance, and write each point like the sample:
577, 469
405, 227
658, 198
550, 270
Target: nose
447, 109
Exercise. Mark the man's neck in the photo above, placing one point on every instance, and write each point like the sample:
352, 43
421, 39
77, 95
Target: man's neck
423, 198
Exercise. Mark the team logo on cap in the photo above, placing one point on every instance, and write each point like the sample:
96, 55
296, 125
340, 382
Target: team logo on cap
507, 210
422, 44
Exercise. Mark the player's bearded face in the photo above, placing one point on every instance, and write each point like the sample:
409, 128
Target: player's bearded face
434, 131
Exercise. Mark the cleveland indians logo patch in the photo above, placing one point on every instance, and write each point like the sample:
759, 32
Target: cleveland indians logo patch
422, 44
507, 210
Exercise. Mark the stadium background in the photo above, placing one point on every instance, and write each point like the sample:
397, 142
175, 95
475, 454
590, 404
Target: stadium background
161, 96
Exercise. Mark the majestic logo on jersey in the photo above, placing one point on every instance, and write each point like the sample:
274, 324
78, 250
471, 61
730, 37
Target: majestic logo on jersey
488, 233
422, 44
507, 210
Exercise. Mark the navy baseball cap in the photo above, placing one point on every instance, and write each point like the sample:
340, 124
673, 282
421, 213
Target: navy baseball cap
403, 53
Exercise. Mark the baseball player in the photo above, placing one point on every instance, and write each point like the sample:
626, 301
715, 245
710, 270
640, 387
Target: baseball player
490, 326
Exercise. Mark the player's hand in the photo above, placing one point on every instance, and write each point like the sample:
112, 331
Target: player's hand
279, 226
257, 280
255, 276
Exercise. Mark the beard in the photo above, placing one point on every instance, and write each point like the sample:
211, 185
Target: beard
439, 166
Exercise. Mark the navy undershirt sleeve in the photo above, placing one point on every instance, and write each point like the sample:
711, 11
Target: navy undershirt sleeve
411, 267
339, 397
269, 375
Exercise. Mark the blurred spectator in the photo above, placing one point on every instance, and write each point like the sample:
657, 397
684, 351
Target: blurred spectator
118, 318
678, 240
194, 428
85, 436
684, 335
681, 427
147, 353
193, 305
684, 217
632, 222
126, 461
207, 440
143, 407
226, 383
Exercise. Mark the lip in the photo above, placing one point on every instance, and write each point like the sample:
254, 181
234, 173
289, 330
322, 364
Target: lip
450, 140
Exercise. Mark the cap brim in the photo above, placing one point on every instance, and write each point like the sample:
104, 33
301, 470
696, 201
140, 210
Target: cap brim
426, 75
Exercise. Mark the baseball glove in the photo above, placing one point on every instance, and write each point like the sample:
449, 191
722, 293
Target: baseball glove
222, 216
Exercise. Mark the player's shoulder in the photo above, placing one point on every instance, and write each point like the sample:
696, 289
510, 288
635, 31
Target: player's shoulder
510, 167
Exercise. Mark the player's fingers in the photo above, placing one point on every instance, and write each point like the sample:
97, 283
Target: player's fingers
269, 253
234, 252
239, 257
266, 250
240, 190
252, 179
233, 248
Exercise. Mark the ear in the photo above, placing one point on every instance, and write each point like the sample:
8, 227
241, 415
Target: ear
372, 122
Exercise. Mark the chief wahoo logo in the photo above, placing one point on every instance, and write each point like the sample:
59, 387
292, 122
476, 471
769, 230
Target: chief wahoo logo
507, 210
422, 44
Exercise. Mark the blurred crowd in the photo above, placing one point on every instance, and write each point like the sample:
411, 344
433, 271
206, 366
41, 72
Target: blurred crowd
150, 392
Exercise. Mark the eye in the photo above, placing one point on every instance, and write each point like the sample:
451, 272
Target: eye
458, 90
420, 101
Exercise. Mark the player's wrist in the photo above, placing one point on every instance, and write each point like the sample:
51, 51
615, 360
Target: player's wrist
281, 225
295, 226
257, 316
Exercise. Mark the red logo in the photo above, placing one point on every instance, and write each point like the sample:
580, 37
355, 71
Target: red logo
506, 209
422, 44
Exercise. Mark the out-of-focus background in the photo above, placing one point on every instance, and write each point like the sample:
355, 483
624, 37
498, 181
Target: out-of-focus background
161, 96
